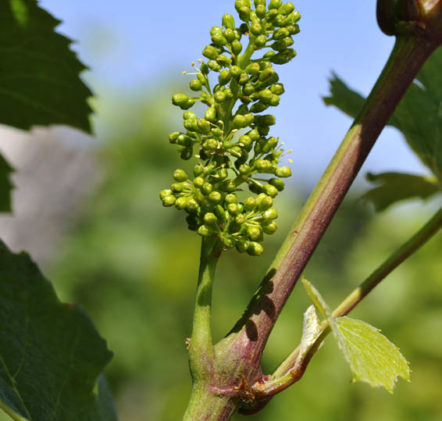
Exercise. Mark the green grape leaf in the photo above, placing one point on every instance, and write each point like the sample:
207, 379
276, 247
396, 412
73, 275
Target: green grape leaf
394, 187
418, 116
372, 357
341, 96
51, 356
5, 185
39, 74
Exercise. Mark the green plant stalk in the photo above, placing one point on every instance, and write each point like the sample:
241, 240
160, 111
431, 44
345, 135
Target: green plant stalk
291, 370
244, 345
200, 345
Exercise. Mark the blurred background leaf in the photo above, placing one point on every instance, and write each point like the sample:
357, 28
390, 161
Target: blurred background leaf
418, 117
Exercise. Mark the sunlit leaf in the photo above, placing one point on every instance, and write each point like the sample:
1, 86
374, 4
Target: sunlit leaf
39, 73
51, 356
371, 356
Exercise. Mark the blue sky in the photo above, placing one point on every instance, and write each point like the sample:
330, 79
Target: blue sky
137, 44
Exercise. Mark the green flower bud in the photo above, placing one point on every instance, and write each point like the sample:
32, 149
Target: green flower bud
236, 47
210, 219
186, 153
180, 99
206, 188
188, 115
248, 89
261, 11
275, 4
221, 214
262, 165
278, 183
164, 193
272, 191
260, 41
204, 231
210, 145
254, 232
224, 77
228, 186
270, 214
222, 173
265, 95
217, 36
230, 35
192, 205
255, 249
173, 137
211, 52
270, 228
293, 29
223, 60
259, 107
274, 102
210, 114
244, 169
283, 172
280, 33
177, 187
239, 121
195, 85
244, 13
168, 201
235, 70
236, 151
180, 175
250, 204
239, 219
181, 203
284, 56
191, 124
214, 65
231, 198
228, 21
220, 96
215, 197
256, 29
266, 74
264, 202
233, 208
203, 126
253, 68
265, 120
245, 140
227, 241
198, 181
254, 135
184, 140
243, 78
287, 8
277, 89
197, 170
242, 246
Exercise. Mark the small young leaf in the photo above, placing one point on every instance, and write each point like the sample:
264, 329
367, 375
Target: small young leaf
310, 331
39, 74
5, 185
395, 187
51, 356
316, 298
372, 357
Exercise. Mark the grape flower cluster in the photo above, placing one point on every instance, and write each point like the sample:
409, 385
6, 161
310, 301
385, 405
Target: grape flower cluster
231, 141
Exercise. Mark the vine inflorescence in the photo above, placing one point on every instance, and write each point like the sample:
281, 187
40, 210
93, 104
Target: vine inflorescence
231, 141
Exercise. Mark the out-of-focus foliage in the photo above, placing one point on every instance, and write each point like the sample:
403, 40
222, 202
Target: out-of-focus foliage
133, 266
39, 77
418, 118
